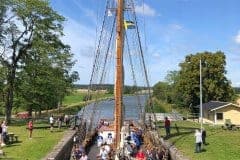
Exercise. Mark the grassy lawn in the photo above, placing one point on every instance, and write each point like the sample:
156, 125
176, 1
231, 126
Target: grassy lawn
43, 140
74, 97
31, 149
77, 96
222, 144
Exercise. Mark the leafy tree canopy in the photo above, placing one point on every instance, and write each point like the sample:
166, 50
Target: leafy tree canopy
33, 54
215, 85
182, 87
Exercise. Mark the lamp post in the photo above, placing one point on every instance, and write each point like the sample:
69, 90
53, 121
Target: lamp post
200, 85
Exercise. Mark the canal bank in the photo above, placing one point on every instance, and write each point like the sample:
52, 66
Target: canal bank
62, 151
105, 109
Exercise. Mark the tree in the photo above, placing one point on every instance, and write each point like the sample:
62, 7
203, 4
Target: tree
24, 25
2, 86
161, 90
215, 85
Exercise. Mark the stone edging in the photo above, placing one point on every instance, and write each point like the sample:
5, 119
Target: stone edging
174, 153
64, 147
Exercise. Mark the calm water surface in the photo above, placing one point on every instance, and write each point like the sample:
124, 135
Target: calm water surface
105, 109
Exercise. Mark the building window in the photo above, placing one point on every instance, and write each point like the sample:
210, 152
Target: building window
219, 116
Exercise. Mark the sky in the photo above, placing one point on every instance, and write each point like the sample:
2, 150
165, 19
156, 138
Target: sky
173, 29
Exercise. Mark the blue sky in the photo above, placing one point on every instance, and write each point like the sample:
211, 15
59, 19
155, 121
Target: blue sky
174, 29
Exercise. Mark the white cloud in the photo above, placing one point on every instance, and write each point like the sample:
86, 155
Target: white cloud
145, 9
156, 55
237, 38
176, 27
86, 11
81, 38
78, 36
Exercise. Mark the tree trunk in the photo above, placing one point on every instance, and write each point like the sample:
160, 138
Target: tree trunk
9, 94
9, 103
30, 111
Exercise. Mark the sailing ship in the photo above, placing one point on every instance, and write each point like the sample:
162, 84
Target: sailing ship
118, 28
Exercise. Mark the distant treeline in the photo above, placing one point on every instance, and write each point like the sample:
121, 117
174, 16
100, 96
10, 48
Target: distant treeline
110, 87
237, 90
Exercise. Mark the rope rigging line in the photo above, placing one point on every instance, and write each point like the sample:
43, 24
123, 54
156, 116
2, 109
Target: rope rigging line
94, 67
133, 76
144, 27
102, 64
102, 74
96, 59
143, 62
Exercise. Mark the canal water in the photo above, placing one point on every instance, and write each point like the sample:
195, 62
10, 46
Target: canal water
105, 109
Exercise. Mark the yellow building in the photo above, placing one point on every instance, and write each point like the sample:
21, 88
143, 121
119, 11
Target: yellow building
217, 112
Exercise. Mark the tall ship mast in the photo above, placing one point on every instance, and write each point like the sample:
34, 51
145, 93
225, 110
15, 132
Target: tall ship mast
122, 47
119, 73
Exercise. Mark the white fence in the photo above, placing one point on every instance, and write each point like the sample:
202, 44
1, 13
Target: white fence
161, 116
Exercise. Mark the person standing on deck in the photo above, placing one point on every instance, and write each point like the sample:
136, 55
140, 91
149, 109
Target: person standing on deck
99, 140
103, 155
109, 139
167, 125
140, 155
84, 156
30, 128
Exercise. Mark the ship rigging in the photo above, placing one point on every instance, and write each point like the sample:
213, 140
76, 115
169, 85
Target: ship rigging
119, 41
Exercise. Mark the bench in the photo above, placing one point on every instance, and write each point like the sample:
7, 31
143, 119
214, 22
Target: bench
229, 126
12, 137
2, 154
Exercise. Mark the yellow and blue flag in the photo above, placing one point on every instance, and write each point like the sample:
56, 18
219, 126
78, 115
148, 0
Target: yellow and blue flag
129, 25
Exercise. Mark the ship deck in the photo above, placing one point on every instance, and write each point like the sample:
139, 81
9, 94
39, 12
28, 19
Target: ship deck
93, 152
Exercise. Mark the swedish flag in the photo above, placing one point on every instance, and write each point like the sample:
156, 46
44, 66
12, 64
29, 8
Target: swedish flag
129, 25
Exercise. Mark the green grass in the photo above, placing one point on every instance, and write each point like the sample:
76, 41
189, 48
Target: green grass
74, 102
43, 140
223, 144
36, 148
163, 107
74, 97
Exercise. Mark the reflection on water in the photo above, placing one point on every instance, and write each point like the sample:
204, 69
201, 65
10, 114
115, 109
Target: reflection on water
105, 109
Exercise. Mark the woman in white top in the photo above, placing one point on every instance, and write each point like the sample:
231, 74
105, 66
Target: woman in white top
198, 137
4, 132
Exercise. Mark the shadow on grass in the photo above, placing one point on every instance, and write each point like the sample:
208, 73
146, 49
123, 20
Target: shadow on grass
13, 145
38, 137
203, 150
178, 133
58, 130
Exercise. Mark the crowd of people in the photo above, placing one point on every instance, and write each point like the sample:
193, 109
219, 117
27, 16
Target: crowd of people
59, 120
134, 147
78, 152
